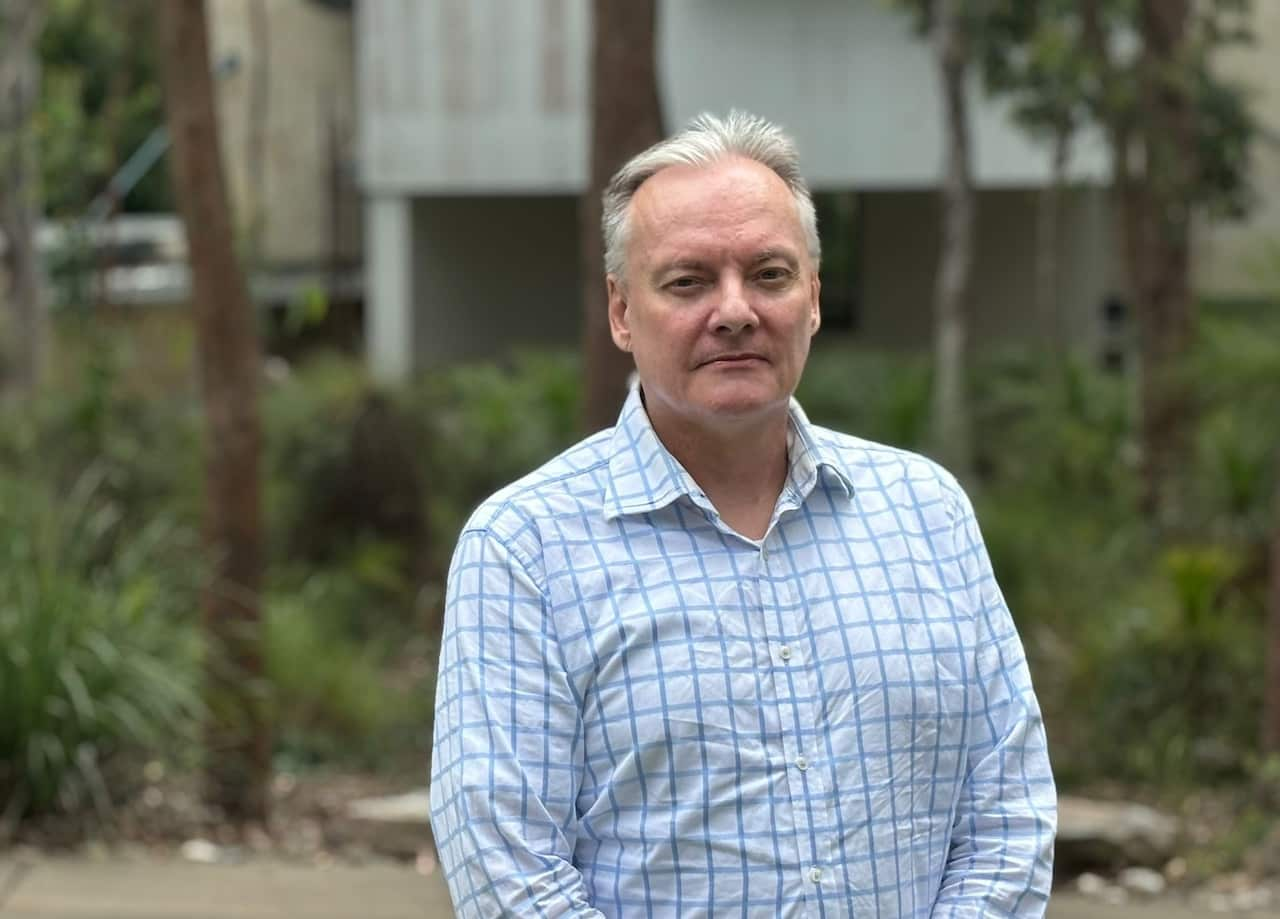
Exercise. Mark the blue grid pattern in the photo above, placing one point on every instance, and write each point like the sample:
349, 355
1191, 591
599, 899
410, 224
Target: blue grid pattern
642, 713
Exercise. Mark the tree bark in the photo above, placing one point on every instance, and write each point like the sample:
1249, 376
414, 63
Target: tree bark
237, 738
626, 118
21, 22
1165, 306
950, 396
1048, 238
1271, 696
1271, 699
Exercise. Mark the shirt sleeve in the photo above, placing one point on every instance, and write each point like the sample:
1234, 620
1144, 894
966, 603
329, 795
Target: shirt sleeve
1001, 857
507, 754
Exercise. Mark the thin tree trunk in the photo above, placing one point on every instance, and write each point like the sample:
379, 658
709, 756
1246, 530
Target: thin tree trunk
1048, 241
21, 22
1271, 698
256, 135
1165, 306
1271, 703
237, 738
626, 117
950, 397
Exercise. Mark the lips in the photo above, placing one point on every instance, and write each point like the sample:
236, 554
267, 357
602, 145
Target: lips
737, 357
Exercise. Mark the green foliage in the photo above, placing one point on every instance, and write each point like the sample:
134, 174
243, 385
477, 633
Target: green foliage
97, 658
1055, 427
1030, 52
100, 98
1174, 674
487, 425
1062, 68
308, 421
145, 450
330, 697
879, 396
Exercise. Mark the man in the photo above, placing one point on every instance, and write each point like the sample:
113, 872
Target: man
717, 660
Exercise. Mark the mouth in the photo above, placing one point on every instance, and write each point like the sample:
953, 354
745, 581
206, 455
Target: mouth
738, 358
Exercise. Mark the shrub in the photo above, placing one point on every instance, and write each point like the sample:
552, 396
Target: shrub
876, 395
97, 648
334, 697
486, 425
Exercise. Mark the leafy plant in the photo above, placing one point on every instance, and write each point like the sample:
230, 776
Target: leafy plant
876, 395
335, 697
97, 648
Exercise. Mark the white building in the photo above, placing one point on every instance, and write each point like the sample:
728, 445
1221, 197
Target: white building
473, 150
468, 130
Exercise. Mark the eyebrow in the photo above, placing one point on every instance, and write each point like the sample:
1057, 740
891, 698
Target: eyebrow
785, 255
693, 264
680, 264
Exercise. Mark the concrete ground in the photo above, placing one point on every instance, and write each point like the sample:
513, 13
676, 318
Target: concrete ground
173, 889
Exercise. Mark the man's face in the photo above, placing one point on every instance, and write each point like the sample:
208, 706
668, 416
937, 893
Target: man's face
720, 297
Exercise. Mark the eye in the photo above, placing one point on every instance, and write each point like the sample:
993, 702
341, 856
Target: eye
774, 275
684, 284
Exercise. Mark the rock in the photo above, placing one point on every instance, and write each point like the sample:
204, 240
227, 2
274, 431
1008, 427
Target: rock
1176, 870
201, 851
204, 852
398, 826
1145, 881
1090, 884
1111, 835
1115, 896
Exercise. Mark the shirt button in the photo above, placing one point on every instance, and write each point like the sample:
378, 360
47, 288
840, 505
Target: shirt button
785, 652
815, 875
801, 763
764, 554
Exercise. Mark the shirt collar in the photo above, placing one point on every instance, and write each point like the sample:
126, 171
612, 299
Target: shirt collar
644, 476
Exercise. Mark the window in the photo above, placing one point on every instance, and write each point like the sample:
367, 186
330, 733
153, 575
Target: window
840, 226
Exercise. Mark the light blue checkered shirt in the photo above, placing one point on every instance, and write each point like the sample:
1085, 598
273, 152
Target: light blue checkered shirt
642, 713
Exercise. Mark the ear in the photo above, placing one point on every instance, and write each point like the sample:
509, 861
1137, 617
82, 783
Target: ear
815, 313
619, 321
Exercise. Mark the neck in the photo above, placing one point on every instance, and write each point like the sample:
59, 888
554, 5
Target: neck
741, 468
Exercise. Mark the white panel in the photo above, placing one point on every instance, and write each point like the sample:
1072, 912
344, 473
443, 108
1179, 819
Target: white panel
489, 96
851, 81
389, 304
495, 102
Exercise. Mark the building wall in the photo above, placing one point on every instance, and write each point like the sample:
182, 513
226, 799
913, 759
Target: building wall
489, 96
1230, 257
494, 273
901, 233
287, 120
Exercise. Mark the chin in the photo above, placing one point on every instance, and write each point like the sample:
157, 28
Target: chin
744, 406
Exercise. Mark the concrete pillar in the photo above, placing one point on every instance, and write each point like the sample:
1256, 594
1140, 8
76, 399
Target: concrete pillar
388, 308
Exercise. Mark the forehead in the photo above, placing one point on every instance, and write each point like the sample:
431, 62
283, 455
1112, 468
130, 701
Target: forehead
730, 203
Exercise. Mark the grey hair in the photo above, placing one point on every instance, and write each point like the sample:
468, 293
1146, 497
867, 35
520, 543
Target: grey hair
704, 141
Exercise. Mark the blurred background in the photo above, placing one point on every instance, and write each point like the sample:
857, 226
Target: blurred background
290, 285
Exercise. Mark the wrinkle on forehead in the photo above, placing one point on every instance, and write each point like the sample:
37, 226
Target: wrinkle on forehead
733, 205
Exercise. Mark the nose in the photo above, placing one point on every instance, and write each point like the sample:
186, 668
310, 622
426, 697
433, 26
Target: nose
734, 313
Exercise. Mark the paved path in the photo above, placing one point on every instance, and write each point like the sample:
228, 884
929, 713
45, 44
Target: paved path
80, 889
76, 889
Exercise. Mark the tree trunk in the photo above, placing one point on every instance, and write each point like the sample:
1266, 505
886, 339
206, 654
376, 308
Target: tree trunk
21, 22
1271, 703
237, 738
950, 399
1163, 299
626, 118
1048, 240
